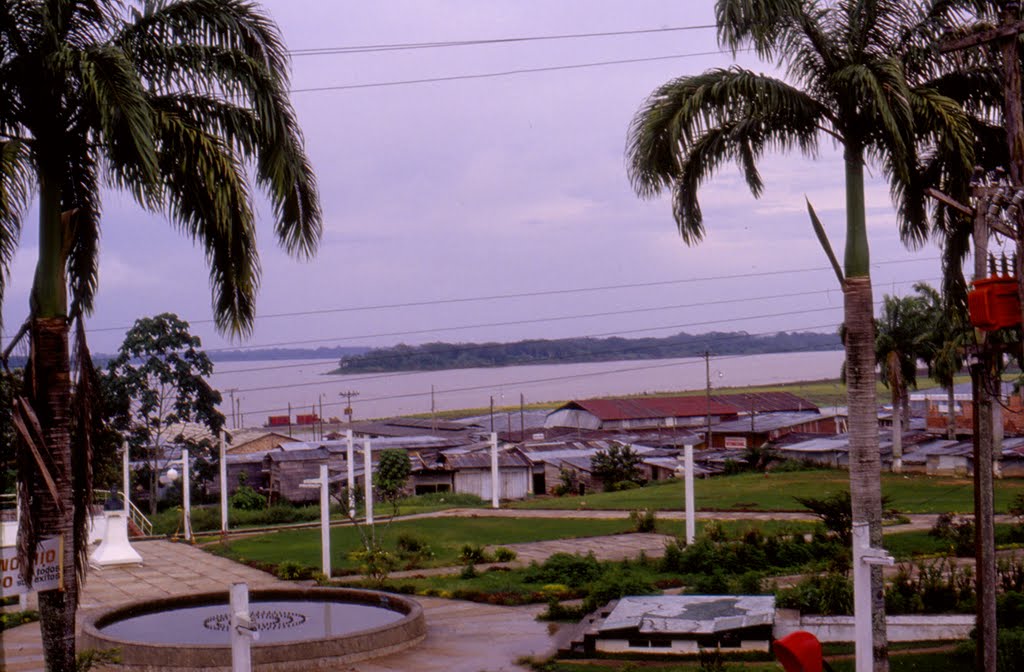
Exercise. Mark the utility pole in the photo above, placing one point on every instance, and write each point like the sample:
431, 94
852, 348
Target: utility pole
234, 418
348, 394
707, 395
522, 417
433, 411
492, 414
1007, 34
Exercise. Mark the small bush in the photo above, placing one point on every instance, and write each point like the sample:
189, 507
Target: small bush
293, 571
247, 499
572, 570
615, 584
468, 572
557, 611
502, 554
412, 551
472, 554
643, 520
828, 595
957, 531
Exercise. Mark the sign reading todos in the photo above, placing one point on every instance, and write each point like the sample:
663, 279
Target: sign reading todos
48, 572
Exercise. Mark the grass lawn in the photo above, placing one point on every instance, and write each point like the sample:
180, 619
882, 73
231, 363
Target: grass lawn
908, 493
446, 536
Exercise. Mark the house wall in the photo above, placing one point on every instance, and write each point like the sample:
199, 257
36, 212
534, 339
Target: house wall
286, 477
431, 482
514, 482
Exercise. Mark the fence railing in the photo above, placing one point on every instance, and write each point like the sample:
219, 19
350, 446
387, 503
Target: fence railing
135, 514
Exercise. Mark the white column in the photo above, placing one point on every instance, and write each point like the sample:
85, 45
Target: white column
350, 459
126, 482
325, 521
186, 494
368, 479
243, 632
223, 486
691, 515
864, 557
495, 480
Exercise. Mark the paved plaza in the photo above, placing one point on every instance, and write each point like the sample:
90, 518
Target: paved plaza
461, 636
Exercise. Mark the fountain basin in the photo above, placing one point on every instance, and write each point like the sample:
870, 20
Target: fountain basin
300, 629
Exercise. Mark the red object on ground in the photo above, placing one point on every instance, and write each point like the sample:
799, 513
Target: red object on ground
994, 303
799, 651
279, 420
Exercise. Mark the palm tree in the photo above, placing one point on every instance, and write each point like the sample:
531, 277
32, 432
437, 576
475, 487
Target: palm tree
181, 103
847, 66
900, 341
945, 338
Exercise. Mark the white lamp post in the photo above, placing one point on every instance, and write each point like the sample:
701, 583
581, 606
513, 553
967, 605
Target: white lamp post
368, 479
223, 486
172, 475
351, 465
691, 518
126, 482
325, 516
495, 480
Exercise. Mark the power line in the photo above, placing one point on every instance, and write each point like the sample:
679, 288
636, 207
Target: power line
506, 73
532, 294
403, 46
541, 320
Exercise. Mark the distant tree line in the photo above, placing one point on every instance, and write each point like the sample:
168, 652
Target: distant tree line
437, 356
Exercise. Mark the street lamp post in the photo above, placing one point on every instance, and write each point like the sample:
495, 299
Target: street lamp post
172, 475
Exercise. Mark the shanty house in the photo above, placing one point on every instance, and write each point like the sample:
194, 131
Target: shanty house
636, 413
471, 470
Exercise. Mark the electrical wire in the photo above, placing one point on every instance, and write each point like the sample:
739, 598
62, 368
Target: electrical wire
406, 46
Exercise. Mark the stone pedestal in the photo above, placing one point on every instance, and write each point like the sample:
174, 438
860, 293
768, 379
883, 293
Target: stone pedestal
115, 548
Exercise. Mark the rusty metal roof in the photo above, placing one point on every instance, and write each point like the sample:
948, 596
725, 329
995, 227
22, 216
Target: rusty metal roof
643, 408
765, 402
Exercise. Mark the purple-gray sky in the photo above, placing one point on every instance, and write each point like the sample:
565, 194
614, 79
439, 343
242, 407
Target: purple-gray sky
499, 186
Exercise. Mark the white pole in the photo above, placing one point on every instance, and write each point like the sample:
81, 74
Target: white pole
350, 459
186, 495
691, 519
368, 479
242, 630
126, 483
223, 486
864, 557
495, 481
325, 521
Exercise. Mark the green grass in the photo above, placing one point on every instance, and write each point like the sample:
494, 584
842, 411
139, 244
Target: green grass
908, 493
446, 536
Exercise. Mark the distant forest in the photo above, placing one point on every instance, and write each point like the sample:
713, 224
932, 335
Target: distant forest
437, 356
266, 354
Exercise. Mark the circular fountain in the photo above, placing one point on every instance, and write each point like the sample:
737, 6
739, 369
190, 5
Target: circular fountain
299, 629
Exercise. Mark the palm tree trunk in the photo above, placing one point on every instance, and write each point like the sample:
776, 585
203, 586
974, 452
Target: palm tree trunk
51, 400
865, 463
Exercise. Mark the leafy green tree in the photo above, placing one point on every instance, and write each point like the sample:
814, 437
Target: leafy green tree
184, 105
856, 74
392, 476
618, 464
161, 372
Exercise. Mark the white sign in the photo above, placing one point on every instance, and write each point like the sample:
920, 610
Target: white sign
736, 442
48, 572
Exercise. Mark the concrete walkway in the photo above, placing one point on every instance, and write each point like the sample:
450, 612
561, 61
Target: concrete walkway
460, 635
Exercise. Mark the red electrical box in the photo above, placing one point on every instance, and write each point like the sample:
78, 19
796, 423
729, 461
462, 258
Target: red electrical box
994, 303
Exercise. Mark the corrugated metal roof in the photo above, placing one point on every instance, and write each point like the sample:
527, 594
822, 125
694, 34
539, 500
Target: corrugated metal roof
769, 422
765, 402
482, 460
643, 408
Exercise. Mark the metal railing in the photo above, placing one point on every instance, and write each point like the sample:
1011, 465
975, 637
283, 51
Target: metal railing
135, 514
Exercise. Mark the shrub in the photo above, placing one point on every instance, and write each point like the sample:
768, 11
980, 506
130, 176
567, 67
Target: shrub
472, 554
412, 550
293, 571
246, 498
614, 584
572, 570
643, 520
556, 611
502, 554
1010, 650
957, 531
828, 594
468, 572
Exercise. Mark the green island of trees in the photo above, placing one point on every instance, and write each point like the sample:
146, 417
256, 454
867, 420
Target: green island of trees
437, 356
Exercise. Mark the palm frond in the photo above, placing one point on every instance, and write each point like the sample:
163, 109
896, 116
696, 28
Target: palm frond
689, 127
15, 192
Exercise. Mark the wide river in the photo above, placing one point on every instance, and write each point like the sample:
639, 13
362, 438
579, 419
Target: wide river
264, 388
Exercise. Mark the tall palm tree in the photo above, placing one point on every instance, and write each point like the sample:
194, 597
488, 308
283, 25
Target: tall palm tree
181, 103
900, 341
945, 337
847, 82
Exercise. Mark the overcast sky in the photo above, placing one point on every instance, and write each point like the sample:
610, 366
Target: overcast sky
495, 186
